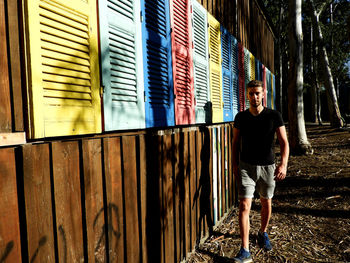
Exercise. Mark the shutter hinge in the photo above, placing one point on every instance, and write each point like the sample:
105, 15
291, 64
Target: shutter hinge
141, 17
102, 89
144, 96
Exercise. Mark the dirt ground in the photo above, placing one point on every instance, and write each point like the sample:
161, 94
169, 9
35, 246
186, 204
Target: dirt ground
311, 209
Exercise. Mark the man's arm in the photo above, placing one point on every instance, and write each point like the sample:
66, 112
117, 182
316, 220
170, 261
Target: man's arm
281, 169
235, 148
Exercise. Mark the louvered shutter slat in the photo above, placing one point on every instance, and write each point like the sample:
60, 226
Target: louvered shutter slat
235, 74
64, 76
122, 65
247, 74
263, 68
226, 74
156, 40
268, 88
241, 77
215, 70
201, 63
182, 61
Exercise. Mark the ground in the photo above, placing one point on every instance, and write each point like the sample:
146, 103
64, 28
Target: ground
311, 209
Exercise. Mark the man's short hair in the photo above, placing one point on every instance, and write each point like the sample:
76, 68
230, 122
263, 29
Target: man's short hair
255, 83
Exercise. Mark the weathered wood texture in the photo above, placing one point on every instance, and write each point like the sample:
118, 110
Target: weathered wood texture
131, 198
10, 244
5, 96
245, 20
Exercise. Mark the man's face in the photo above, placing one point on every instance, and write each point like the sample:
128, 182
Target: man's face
255, 96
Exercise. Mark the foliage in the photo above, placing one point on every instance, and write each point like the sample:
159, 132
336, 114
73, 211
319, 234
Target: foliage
336, 35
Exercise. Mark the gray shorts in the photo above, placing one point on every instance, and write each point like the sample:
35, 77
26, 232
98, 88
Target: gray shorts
256, 177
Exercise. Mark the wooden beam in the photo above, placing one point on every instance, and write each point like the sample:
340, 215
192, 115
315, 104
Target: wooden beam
15, 138
5, 103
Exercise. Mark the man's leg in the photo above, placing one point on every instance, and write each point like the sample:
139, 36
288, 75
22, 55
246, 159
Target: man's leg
266, 210
244, 210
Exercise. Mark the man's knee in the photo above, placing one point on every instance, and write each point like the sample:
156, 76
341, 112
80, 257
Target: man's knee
244, 205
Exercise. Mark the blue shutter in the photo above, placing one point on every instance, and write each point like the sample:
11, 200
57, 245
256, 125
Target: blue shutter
158, 80
258, 70
201, 63
226, 74
121, 64
235, 74
268, 88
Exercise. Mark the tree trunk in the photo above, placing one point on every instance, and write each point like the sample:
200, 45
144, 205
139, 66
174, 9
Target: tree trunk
313, 79
279, 59
299, 143
334, 112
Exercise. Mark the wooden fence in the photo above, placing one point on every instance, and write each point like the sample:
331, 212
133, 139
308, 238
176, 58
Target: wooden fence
148, 197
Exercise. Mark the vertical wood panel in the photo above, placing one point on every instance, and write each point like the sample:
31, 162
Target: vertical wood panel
193, 186
38, 203
114, 193
168, 196
223, 171
66, 175
5, 103
178, 183
15, 64
93, 187
198, 178
187, 173
161, 195
10, 244
131, 202
143, 197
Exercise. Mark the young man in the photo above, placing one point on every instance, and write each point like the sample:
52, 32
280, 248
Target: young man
254, 163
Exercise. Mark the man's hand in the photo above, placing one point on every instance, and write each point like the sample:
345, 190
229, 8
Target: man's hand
280, 172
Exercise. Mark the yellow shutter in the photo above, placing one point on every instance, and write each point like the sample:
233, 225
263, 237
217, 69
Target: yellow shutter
62, 62
215, 69
252, 67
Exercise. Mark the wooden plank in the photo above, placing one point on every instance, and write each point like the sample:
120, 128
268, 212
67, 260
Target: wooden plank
12, 138
15, 63
131, 199
66, 176
187, 205
178, 145
143, 197
168, 199
161, 195
114, 193
10, 243
38, 203
223, 170
229, 160
5, 102
209, 137
93, 192
193, 186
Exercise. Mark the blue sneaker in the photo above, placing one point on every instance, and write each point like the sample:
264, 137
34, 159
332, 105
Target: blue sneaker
243, 256
264, 241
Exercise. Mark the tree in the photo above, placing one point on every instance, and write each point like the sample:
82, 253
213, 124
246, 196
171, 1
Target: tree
299, 143
335, 116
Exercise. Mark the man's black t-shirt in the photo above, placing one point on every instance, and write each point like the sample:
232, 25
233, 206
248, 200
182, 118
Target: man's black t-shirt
257, 135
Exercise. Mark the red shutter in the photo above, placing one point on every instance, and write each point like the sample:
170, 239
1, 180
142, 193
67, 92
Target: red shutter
264, 83
181, 42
